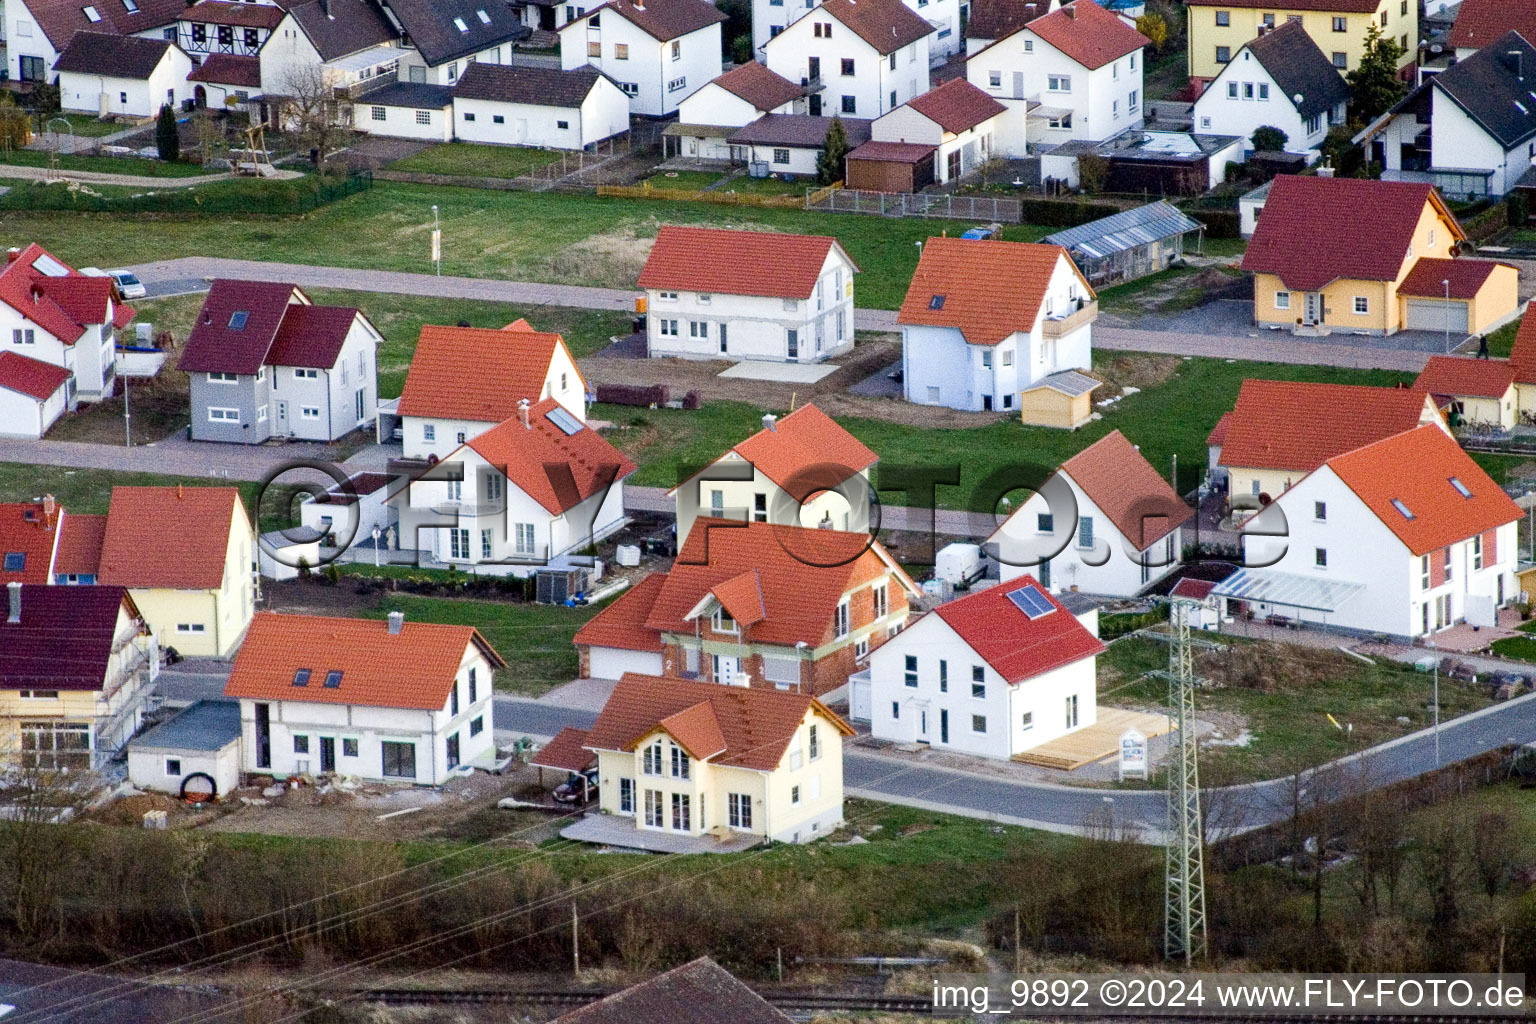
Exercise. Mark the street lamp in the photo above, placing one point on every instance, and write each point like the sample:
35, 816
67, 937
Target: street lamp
375, 546
1446, 284
437, 243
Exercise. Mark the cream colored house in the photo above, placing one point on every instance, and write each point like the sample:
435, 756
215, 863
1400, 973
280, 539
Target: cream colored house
1218, 29
1472, 391
706, 760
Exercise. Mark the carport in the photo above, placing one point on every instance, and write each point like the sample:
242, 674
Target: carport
1268, 590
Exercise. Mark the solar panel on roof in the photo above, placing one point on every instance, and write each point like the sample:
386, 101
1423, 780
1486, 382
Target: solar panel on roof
564, 420
1031, 601
49, 267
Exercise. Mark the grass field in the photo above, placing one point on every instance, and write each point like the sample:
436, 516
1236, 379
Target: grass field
1502, 340
87, 126
102, 164
90, 490
472, 160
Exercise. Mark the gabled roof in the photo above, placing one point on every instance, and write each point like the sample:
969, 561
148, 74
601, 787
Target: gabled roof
1296, 426
445, 30
986, 289
798, 445
80, 540
741, 597
59, 299
886, 25
1481, 22
31, 377
544, 87
1017, 646
61, 19
749, 728
567, 751
228, 69
1418, 469
337, 28
1494, 87
1192, 588
477, 373
622, 623
414, 668
662, 20
1456, 376
1119, 479
28, 531
762, 88
170, 537
806, 131
312, 336
956, 106
802, 573
701, 992
1523, 355
998, 19
237, 325
1299, 68
112, 55
1317, 230
1218, 435
233, 12
554, 468
1088, 34
724, 262
1339, 6
65, 638
1431, 275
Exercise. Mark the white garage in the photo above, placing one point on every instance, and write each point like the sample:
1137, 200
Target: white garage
617, 640
1432, 315
195, 754
613, 662
515, 105
406, 110
33, 394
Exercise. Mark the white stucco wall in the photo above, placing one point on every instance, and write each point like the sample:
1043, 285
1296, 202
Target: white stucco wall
130, 97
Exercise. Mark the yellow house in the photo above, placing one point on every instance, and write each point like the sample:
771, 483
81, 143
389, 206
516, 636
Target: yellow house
76, 664
1522, 357
185, 553
689, 766
1218, 29
1370, 257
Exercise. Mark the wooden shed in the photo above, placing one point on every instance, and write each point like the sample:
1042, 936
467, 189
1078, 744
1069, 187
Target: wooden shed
1063, 400
890, 167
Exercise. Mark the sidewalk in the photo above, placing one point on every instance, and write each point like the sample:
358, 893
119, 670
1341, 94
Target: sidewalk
177, 456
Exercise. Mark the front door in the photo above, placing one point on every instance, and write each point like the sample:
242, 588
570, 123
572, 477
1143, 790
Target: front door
327, 753
726, 669
794, 344
922, 726
1310, 315
954, 165
943, 725
282, 416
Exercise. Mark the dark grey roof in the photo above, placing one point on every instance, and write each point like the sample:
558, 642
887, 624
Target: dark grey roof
1299, 68
445, 30
1121, 231
81, 997
409, 94
546, 87
101, 53
701, 992
1067, 382
1495, 90
801, 130
205, 725
292, 535
339, 27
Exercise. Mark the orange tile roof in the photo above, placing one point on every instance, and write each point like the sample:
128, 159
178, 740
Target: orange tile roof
753, 726
1088, 34
742, 598
802, 573
80, 544
1298, 426
804, 452
1523, 355
1015, 645
411, 669
697, 730
955, 106
31, 377
1218, 433
1481, 22
989, 289
765, 90
477, 373
566, 752
718, 261
1119, 479
1460, 375
1416, 468
536, 457
622, 623
56, 297
28, 531
170, 537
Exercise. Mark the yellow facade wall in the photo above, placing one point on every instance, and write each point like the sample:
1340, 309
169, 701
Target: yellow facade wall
1273, 482
1496, 300
1205, 35
223, 614
1500, 411
70, 706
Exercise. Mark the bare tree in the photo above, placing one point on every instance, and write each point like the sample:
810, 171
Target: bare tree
312, 109
1493, 851
39, 803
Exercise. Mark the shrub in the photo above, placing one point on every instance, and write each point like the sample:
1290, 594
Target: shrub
167, 141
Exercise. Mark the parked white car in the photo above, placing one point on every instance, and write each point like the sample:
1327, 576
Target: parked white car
128, 283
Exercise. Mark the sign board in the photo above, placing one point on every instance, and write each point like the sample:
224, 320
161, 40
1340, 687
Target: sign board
1133, 755
437, 246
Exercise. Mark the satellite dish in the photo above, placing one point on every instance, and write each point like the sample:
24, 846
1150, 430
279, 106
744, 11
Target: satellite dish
1298, 98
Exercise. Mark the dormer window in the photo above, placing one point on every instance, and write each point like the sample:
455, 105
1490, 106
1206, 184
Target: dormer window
722, 622
91, 14
937, 302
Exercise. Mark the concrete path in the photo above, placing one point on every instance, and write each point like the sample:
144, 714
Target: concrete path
127, 180
177, 456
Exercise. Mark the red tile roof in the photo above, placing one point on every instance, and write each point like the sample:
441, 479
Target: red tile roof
80, 544
765, 90
753, 726
1416, 468
228, 69
65, 638
1297, 426
61, 19
891, 152
1218, 433
535, 458
1119, 479
806, 451
622, 623
566, 752
237, 325
886, 25
718, 261
1088, 34
32, 283
1015, 645
170, 537
1523, 355
989, 289
27, 530
312, 336
477, 373
803, 574
31, 377
1466, 277
1317, 230
956, 105
742, 598
1198, 590
1481, 22
225, 12
85, 300
1458, 375
414, 668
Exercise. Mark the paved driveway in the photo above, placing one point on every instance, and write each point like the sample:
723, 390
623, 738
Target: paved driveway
1234, 318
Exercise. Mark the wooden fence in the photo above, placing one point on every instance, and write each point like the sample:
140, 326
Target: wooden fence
645, 190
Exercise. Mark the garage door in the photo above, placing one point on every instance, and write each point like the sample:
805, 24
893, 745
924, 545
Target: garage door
1432, 315
613, 662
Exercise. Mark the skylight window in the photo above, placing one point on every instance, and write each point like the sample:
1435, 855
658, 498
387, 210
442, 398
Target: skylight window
937, 302
459, 24
485, 19
237, 320
567, 423
15, 561
1461, 488
301, 677
1398, 504
91, 14
131, 6
1521, 107
1029, 600
333, 679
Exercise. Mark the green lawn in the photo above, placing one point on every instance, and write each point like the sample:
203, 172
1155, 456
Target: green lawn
103, 164
90, 490
684, 179
1522, 648
1225, 246
474, 160
1502, 340
86, 126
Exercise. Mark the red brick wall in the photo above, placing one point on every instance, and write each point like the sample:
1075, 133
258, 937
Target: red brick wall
584, 660
1490, 547
1437, 567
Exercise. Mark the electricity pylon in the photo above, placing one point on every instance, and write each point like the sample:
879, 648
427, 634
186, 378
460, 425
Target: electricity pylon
1184, 863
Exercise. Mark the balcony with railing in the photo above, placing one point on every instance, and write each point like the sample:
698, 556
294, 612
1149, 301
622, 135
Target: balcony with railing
1057, 326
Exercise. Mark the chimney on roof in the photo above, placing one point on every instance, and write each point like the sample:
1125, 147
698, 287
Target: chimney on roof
1325, 172
522, 413
769, 421
12, 254
50, 506
325, 9
1071, 11
14, 615
396, 623
1518, 67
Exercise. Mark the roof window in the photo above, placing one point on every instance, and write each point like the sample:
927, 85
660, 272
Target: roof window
485, 19
1461, 488
937, 302
458, 23
333, 679
131, 6
15, 561
91, 14
1398, 504
301, 677
237, 320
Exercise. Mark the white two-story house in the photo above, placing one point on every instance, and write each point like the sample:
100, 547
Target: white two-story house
985, 320
263, 362
37, 31
54, 314
948, 18
735, 99
389, 700
867, 56
445, 37
718, 294
347, 43
957, 120
658, 51
1075, 73
1404, 537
